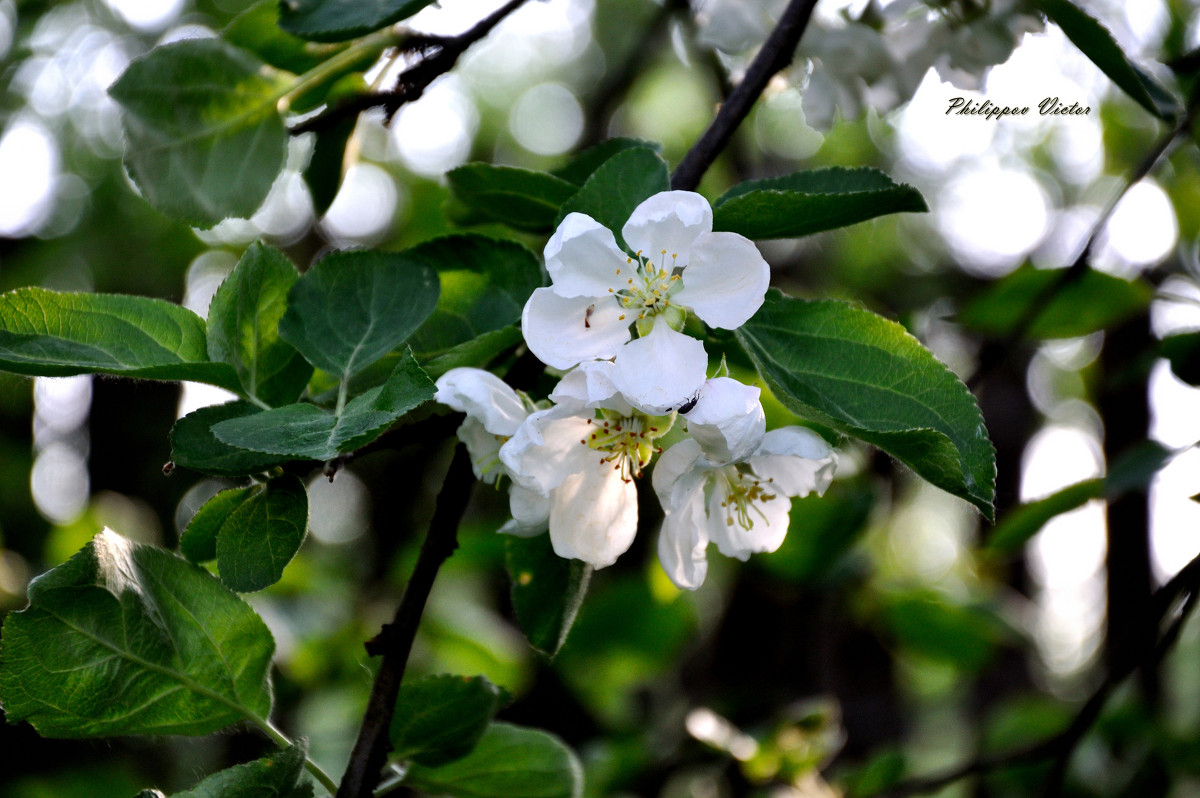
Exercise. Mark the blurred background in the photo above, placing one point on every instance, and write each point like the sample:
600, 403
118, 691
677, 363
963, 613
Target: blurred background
888, 636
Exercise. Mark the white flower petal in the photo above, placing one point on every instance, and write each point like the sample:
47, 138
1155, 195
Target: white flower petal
660, 371
590, 385
725, 280
562, 331
676, 474
796, 460
546, 448
530, 512
682, 545
484, 448
670, 220
727, 420
593, 516
583, 258
482, 396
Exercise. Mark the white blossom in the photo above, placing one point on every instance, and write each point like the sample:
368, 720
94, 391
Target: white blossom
494, 413
601, 295
741, 503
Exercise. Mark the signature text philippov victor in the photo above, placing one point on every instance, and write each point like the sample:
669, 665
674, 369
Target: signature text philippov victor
1051, 106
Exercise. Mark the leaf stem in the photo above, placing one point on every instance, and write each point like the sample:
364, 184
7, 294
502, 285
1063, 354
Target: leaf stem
776, 53
282, 740
379, 40
394, 642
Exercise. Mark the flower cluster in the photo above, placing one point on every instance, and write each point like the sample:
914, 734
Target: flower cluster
635, 387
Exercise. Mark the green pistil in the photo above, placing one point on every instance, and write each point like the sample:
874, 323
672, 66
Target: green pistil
625, 442
647, 292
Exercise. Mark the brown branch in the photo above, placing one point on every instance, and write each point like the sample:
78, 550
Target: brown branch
439, 55
394, 642
995, 354
776, 53
1062, 745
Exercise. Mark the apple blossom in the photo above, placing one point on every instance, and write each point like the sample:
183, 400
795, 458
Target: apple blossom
600, 296
741, 504
494, 413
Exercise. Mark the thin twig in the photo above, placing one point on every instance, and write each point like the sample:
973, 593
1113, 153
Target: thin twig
439, 55
394, 642
1060, 746
995, 354
776, 53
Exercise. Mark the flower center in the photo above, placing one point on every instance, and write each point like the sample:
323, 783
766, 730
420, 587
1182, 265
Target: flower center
743, 491
625, 442
648, 289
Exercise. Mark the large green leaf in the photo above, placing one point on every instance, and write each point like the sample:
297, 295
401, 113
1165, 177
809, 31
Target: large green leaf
547, 590
1094, 41
484, 285
50, 334
440, 718
352, 308
204, 139
125, 638
243, 327
262, 534
475, 353
803, 203
618, 186
306, 431
521, 198
1093, 301
339, 21
864, 375
508, 762
257, 30
194, 446
279, 775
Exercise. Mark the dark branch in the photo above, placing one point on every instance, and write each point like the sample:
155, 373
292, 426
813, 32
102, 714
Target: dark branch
996, 353
776, 53
1061, 746
439, 55
395, 640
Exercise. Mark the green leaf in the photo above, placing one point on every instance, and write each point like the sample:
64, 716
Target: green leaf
261, 536
49, 334
199, 541
475, 353
1183, 351
809, 202
203, 137
280, 775
352, 308
194, 446
617, 187
1094, 301
324, 172
864, 375
305, 431
440, 718
508, 762
339, 21
547, 590
582, 166
257, 30
520, 198
243, 327
965, 635
126, 638
484, 285
1094, 41
1023, 522
1133, 470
